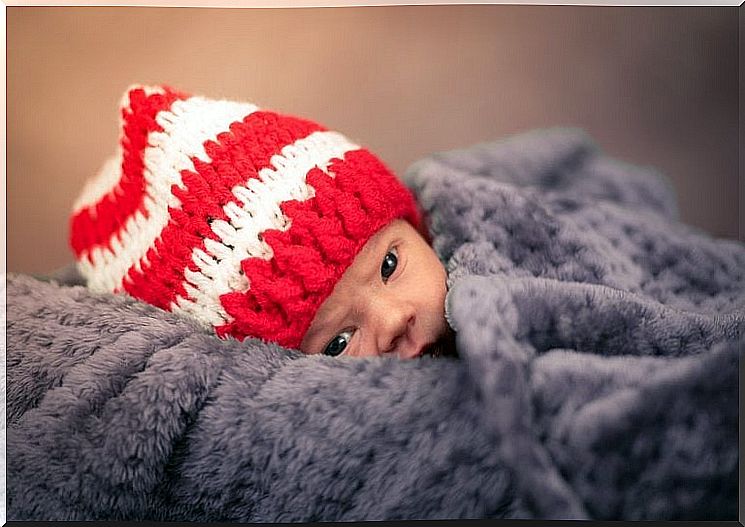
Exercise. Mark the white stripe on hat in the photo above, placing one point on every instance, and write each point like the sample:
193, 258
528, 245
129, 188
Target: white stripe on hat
97, 187
187, 125
255, 210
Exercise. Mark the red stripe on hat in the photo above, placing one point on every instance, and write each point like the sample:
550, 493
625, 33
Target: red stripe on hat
326, 233
95, 225
236, 157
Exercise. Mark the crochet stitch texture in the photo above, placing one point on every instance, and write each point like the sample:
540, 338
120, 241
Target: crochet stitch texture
241, 218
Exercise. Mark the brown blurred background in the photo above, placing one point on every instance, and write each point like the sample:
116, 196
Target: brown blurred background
654, 86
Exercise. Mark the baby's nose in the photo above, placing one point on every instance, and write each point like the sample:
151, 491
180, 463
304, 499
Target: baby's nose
394, 323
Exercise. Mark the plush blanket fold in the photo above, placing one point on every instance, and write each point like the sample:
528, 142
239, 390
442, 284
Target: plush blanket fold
599, 342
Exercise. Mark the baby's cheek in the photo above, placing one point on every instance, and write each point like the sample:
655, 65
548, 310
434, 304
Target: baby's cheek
436, 290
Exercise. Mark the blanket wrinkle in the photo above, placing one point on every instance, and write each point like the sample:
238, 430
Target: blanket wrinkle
599, 343
501, 373
594, 261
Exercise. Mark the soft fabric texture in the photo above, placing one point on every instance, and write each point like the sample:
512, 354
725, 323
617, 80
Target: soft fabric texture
599, 342
240, 218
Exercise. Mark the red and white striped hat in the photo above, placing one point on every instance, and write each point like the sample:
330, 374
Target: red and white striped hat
241, 218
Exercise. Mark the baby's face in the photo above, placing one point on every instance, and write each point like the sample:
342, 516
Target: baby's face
391, 300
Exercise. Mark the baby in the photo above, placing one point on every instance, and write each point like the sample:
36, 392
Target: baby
260, 225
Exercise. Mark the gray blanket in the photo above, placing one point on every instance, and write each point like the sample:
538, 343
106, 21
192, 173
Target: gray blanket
598, 338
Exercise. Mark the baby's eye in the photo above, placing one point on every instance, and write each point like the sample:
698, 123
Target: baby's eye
388, 267
338, 344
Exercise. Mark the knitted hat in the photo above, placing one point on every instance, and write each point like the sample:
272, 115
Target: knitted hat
241, 218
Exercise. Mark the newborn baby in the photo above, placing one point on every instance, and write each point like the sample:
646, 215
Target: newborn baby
260, 225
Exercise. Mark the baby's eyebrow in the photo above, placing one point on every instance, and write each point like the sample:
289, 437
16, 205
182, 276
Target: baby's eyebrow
314, 335
319, 328
374, 257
